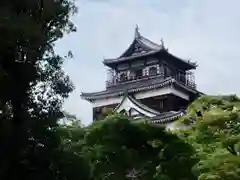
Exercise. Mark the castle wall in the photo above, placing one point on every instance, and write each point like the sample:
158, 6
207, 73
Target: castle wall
141, 95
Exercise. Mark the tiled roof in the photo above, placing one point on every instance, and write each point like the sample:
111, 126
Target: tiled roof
132, 86
135, 86
167, 117
147, 47
146, 42
140, 42
134, 56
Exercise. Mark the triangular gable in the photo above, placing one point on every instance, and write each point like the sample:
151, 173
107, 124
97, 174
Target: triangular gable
135, 48
129, 104
140, 45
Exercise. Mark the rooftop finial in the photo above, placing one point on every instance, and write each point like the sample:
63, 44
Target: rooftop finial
162, 42
137, 28
137, 34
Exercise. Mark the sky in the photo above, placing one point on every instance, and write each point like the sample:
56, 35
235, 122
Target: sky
205, 31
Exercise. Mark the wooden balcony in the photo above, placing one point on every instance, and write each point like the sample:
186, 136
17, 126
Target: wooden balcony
187, 80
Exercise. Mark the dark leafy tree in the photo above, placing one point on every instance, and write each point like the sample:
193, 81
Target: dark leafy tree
118, 148
69, 157
33, 85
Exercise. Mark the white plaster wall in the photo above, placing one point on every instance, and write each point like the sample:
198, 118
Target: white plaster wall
159, 92
134, 112
107, 101
141, 95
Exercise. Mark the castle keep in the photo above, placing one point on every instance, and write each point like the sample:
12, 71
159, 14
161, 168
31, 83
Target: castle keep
146, 81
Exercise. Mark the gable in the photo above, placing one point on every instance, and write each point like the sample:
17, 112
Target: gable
140, 45
134, 49
132, 108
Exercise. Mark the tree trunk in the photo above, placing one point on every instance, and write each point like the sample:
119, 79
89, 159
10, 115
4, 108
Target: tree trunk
12, 151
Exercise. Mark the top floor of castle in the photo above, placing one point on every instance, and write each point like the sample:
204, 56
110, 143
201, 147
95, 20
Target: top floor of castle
144, 60
145, 65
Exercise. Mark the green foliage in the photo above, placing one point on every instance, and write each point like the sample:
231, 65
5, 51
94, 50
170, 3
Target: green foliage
35, 146
33, 85
120, 149
69, 157
215, 136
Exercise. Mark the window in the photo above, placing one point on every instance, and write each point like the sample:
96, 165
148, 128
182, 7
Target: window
152, 71
123, 77
138, 73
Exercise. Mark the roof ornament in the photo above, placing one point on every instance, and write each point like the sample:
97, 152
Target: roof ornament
137, 34
162, 43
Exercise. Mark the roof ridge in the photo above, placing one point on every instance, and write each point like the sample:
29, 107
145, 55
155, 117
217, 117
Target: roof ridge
146, 39
138, 38
167, 118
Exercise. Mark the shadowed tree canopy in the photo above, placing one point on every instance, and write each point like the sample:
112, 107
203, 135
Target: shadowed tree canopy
33, 83
117, 148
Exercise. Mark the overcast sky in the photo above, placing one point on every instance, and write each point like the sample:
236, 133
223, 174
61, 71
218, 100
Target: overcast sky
206, 31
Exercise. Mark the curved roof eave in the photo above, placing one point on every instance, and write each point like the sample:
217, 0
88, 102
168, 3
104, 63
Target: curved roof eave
170, 117
106, 94
99, 95
111, 61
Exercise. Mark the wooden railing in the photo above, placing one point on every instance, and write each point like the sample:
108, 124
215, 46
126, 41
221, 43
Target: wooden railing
184, 79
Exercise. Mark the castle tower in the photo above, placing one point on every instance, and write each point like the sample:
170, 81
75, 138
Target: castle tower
148, 82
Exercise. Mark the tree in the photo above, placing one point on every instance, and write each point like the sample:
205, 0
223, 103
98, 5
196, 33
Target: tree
215, 136
33, 83
119, 149
69, 157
